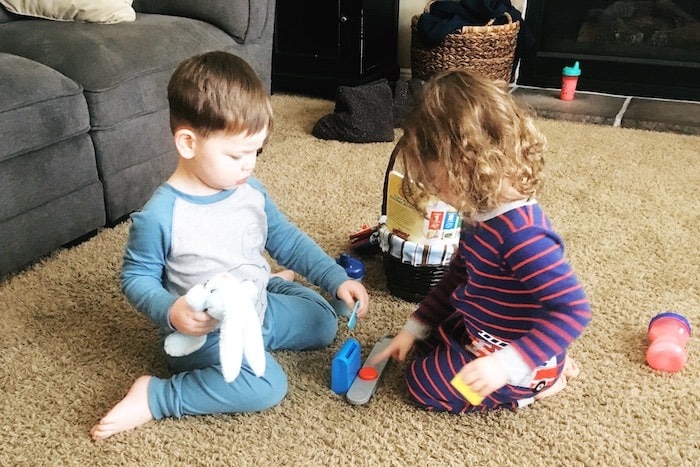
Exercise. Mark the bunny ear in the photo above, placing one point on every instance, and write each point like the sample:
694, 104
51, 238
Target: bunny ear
253, 346
230, 348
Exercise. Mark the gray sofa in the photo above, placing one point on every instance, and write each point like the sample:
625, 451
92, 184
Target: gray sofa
84, 132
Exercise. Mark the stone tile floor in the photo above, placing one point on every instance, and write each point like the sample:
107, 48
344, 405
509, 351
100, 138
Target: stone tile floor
621, 111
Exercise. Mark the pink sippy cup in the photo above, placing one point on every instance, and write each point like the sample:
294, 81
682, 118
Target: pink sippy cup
668, 334
569, 79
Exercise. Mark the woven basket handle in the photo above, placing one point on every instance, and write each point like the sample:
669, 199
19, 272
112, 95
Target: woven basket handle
389, 168
506, 14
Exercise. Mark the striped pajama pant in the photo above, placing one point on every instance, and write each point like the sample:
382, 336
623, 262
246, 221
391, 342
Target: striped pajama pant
439, 359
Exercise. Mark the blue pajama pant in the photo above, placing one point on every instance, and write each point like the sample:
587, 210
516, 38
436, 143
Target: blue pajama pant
297, 318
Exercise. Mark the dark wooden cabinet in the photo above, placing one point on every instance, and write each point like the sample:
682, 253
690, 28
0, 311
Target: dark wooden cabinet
322, 44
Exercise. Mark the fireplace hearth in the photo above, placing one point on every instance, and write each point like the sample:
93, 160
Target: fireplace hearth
647, 48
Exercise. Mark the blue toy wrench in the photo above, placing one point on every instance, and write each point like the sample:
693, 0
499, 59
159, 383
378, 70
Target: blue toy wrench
353, 316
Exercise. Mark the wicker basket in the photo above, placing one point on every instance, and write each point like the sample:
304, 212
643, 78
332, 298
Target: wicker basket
489, 50
406, 279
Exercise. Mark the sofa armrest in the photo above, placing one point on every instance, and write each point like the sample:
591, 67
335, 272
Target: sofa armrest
244, 20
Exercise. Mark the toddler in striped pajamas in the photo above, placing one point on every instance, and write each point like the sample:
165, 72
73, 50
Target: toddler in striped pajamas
504, 314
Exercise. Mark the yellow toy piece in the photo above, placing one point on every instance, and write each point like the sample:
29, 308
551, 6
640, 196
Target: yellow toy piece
473, 397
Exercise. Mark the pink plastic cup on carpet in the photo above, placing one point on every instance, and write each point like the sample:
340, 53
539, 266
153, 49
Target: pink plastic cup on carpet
669, 333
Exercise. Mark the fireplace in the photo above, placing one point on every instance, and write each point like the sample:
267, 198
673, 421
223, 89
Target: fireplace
647, 48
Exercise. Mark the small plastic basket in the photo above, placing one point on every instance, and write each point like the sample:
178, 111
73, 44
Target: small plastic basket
411, 269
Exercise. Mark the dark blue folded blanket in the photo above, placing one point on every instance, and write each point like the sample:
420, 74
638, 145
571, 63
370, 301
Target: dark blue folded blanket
445, 17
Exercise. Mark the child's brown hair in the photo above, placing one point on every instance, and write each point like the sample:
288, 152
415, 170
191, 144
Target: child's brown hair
217, 91
471, 127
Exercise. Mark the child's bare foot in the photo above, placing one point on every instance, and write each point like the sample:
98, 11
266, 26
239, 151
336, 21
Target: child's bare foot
570, 371
286, 274
130, 412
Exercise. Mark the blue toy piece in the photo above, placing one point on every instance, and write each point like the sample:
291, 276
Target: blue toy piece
353, 316
353, 266
345, 365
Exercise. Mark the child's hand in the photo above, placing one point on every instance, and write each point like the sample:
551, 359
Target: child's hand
190, 321
484, 375
352, 291
397, 349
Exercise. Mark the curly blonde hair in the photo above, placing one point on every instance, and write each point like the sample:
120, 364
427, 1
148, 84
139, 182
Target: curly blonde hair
473, 128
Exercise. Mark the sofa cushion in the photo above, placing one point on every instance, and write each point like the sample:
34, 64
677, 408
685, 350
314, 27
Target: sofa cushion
242, 19
124, 68
51, 193
35, 178
5, 16
38, 231
92, 11
133, 158
38, 106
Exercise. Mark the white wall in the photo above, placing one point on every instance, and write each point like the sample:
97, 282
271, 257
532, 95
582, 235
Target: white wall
409, 8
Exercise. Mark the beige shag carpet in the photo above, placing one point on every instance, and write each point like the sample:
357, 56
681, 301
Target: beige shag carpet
626, 202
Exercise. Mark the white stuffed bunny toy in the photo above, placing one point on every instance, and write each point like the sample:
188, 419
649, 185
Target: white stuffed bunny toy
232, 302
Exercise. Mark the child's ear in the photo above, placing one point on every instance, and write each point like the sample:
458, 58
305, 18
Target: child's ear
185, 142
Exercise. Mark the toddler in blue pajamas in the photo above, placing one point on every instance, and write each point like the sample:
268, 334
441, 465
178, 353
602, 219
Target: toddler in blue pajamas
212, 216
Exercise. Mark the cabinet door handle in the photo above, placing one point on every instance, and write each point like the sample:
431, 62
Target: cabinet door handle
343, 19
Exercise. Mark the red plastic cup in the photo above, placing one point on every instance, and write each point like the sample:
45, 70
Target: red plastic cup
668, 333
569, 80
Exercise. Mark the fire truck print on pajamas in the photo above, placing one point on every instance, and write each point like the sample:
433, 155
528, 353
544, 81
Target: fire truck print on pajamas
486, 344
